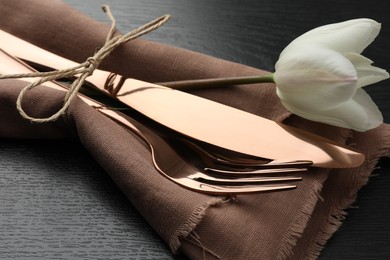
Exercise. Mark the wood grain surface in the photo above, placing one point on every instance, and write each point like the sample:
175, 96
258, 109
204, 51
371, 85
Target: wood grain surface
57, 203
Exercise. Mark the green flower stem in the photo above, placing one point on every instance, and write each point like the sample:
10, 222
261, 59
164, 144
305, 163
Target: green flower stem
217, 82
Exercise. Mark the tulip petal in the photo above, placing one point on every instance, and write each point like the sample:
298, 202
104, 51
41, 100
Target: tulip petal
314, 101
310, 66
367, 74
360, 113
320, 74
315, 78
349, 36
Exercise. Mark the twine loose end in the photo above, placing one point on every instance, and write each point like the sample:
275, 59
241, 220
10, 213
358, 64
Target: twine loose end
83, 70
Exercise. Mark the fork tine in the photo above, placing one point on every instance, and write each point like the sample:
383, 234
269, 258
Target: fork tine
235, 190
253, 163
235, 159
255, 172
240, 181
282, 164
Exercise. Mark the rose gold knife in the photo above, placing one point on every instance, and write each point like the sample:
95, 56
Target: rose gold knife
202, 119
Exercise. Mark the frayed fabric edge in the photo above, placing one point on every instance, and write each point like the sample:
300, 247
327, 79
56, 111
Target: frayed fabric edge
194, 219
296, 230
338, 212
298, 226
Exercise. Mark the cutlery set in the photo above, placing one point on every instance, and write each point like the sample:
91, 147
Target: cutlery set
199, 144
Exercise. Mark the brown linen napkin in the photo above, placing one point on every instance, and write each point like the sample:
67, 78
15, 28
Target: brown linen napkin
291, 224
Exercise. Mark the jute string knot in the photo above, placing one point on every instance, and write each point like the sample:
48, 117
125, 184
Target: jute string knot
84, 69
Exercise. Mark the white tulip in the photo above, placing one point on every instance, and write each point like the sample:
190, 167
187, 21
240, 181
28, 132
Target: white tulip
320, 75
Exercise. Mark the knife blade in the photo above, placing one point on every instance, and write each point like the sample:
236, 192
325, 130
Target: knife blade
203, 119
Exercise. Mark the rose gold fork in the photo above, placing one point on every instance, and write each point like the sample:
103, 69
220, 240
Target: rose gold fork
167, 161
171, 165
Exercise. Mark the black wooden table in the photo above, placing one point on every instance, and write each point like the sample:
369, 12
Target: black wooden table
57, 203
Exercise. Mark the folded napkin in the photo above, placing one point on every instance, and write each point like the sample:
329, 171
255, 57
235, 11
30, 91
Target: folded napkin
290, 224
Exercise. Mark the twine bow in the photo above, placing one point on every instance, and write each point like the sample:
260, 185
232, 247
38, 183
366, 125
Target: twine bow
85, 69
